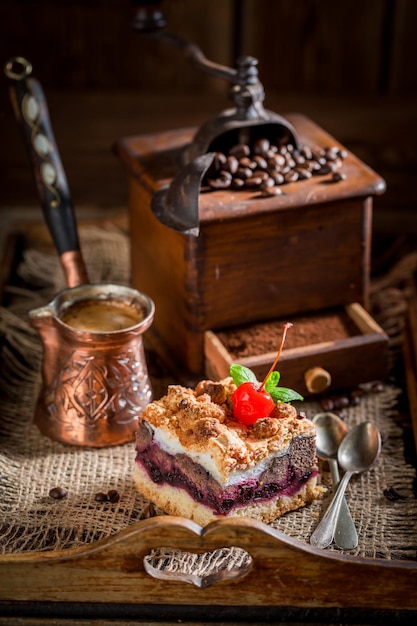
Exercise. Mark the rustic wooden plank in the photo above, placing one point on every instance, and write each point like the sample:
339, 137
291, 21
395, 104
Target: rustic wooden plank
317, 45
402, 48
95, 45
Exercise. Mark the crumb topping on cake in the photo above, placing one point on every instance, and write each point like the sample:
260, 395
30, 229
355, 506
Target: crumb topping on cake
202, 421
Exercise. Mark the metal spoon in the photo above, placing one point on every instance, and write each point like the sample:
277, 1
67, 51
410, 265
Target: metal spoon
357, 453
330, 431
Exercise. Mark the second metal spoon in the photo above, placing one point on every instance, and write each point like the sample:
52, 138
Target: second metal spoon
330, 431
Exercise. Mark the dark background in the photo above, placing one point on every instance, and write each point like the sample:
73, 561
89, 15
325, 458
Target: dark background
349, 65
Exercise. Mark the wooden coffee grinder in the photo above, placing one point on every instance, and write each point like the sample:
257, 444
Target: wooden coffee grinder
213, 257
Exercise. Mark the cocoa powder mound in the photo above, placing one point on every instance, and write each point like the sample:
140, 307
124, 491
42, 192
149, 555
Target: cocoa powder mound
262, 337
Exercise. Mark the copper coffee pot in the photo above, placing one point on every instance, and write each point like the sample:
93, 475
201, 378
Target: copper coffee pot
95, 377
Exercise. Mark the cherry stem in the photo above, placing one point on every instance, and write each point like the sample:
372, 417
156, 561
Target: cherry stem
273, 366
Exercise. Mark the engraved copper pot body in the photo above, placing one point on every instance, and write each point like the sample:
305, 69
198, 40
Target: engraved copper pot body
95, 383
95, 378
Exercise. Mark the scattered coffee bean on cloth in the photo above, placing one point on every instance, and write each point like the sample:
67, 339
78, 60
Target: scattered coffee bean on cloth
111, 496
58, 493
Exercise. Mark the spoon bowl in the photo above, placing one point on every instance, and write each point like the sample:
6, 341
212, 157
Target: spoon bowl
360, 448
330, 431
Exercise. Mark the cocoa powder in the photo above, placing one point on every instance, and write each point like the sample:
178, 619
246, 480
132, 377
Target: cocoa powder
263, 337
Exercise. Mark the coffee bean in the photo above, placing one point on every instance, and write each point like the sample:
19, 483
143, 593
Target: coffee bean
240, 150
222, 181
262, 174
299, 159
149, 511
317, 152
261, 163
315, 167
303, 173
331, 165
341, 403
307, 153
327, 404
58, 493
324, 169
261, 146
238, 183
267, 183
278, 178
271, 151
291, 176
272, 191
354, 400
231, 165
338, 176
254, 181
244, 172
100, 497
332, 153
278, 160
219, 160
247, 163
113, 496
392, 494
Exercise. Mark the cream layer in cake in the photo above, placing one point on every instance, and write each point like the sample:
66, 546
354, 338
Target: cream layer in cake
194, 459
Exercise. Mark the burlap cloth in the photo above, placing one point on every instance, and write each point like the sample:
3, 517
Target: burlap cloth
31, 464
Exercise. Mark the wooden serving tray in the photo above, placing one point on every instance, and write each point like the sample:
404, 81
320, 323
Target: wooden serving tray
284, 571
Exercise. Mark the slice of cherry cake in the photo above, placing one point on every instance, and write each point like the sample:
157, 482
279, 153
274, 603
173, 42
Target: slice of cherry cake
196, 460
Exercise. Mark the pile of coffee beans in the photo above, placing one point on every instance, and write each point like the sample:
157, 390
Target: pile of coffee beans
265, 167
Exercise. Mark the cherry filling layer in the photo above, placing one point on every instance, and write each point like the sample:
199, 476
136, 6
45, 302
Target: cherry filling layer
284, 476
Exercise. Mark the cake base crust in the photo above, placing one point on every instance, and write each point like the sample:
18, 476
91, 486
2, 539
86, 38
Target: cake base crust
177, 501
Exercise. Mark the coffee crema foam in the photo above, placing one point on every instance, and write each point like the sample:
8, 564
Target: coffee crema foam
102, 315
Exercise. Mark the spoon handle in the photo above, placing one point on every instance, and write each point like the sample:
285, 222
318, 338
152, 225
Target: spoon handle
324, 532
345, 535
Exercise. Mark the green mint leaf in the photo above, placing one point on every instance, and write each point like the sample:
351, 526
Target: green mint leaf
283, 394
242, 374
272, 381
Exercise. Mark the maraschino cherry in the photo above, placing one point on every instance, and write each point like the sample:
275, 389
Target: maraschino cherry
250, 400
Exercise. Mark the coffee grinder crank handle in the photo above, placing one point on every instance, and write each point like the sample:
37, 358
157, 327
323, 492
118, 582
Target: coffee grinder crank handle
247, 92
31, 111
